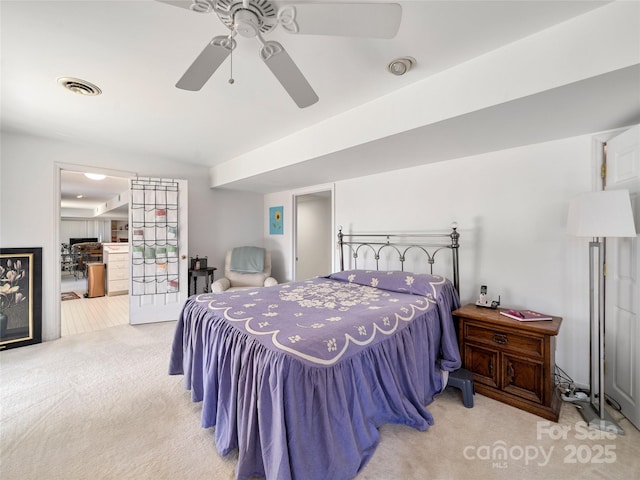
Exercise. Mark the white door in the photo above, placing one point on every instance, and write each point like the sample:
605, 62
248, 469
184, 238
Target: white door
313, 235
158, 285
622, 285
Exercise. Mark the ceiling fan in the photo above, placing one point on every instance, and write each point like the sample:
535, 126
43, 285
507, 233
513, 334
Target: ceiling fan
253, 18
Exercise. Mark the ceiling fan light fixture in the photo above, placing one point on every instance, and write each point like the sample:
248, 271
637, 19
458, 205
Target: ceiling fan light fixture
401, 65
261, 14
81, 87
246, 23
95, 176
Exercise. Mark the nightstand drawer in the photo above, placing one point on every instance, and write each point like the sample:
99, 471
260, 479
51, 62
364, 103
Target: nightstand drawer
508, 341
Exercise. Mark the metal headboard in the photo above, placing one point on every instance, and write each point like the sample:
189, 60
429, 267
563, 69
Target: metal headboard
429, 243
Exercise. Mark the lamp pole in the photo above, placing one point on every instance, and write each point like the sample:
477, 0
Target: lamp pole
601, 214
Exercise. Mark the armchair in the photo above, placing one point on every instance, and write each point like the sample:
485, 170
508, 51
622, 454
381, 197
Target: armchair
234, 280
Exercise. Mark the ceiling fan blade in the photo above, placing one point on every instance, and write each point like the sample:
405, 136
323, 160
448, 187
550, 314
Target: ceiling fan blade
288, 74
200, 71
372, 20
200, 6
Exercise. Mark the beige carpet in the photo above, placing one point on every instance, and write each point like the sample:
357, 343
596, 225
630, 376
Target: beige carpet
101, 406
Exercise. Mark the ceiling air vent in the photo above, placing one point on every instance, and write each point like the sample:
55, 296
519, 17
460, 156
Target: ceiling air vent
400, 66
81, 87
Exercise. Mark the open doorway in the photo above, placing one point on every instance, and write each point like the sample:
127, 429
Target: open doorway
313, 234
93, 214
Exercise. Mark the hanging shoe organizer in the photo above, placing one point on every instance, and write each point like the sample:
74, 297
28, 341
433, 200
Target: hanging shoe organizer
154, 236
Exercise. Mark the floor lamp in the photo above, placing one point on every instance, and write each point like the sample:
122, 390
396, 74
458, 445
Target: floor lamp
599, 215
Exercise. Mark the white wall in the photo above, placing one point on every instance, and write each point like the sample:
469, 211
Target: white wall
217, 219
281, 246
511, 209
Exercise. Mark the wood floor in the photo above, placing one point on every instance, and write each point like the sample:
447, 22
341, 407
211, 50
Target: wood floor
90, 314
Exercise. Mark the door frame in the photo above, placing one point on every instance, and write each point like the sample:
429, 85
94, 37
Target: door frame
57, 192
294, 247
598, 143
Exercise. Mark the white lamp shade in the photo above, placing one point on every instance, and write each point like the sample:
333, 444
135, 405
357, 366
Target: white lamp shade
605, 213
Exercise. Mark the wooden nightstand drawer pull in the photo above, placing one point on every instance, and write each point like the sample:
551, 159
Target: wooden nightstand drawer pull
510, 374
500, 338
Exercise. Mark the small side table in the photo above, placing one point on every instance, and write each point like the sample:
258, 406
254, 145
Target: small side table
203, 272
511, 361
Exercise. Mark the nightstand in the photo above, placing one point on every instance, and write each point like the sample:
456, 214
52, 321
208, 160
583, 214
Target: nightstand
511, 361
201, 272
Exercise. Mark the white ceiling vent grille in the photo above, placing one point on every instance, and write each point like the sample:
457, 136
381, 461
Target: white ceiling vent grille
81, 87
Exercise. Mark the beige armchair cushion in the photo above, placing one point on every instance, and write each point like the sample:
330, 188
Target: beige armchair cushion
237, 280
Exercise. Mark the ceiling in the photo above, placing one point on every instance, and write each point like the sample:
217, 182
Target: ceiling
135, 51
81, 196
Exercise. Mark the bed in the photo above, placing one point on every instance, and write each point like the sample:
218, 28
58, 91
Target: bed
299, 376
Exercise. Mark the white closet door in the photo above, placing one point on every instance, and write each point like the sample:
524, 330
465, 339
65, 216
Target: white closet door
622, 303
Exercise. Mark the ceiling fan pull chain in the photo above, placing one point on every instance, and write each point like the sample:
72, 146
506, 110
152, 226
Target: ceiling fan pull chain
231, 80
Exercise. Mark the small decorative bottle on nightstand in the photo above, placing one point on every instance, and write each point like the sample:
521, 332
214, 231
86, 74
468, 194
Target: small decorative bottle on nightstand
512, 361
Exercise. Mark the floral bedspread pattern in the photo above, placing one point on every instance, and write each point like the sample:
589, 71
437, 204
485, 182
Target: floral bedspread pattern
321, 320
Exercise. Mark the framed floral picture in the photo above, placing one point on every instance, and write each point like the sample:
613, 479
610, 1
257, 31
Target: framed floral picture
275, 220
20, 297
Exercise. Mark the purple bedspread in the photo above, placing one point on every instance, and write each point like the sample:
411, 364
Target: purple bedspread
299, 376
